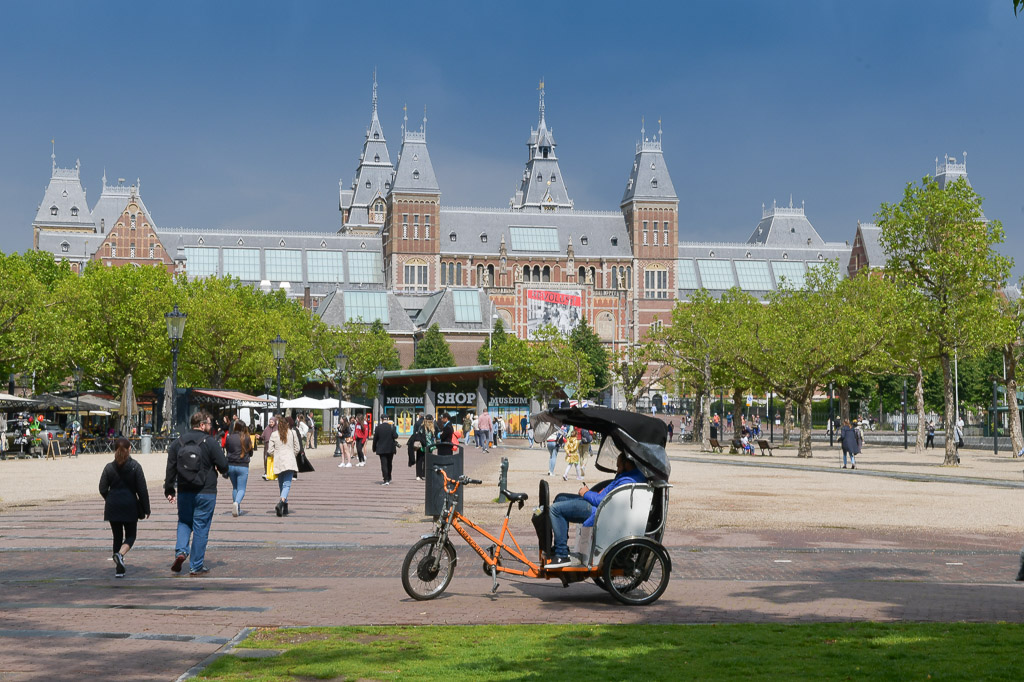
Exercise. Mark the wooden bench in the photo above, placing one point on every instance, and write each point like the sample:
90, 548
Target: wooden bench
737, 447
715, 445
765, 445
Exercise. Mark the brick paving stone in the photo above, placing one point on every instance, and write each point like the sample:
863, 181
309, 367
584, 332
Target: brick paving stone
335, 561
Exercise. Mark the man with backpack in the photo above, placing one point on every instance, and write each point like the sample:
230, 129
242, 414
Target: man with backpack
193, 461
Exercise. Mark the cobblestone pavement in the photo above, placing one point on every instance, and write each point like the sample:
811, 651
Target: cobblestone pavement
335, 561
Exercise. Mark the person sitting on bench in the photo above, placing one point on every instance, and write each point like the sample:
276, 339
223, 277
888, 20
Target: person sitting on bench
582, 508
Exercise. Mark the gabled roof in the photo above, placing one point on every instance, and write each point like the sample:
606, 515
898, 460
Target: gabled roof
542, 185
112, 202
785, 226
65, 194
415, 173
649, 178
441, 311
332, 311
870, 235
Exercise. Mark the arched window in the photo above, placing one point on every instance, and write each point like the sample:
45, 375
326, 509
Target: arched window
74, 210
593, 276
490, 275
378, 211
479, 275
53, 210
526, 273
458, 274
582, 276
444, 273
545, 275
536, 273
629, 277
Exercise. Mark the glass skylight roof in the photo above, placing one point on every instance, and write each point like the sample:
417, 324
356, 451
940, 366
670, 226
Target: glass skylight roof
793, 271
243, 264
753, 275
716, 274
467, 305
366, 306
365, 267
325, 266
686, 275
284, 265
544, 239
201, 262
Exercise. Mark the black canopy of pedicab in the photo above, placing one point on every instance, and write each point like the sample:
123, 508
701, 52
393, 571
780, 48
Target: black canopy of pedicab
641, 437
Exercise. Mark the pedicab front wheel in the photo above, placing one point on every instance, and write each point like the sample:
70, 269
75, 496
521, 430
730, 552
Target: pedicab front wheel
426, 572
636, 572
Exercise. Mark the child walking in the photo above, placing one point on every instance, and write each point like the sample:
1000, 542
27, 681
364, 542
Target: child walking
572, 455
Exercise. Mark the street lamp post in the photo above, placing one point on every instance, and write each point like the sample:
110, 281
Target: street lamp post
771, 417
175, 330
995, 419
379, 407
903, 405
277, 346
77, 373
341, 362
831, 429
268, 383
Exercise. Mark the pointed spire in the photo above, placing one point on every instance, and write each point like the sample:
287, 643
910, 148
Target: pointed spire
104, 176
405, 119
375, 91
541, 88
53, 153
424, 128
643, 129
659, 129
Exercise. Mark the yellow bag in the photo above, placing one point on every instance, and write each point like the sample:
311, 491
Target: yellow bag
271, 476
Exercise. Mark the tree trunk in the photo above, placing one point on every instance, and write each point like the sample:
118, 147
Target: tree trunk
919, 407
737, 411
805, 427
844, 404
787, 420
1013, 413
705, 412
950, 411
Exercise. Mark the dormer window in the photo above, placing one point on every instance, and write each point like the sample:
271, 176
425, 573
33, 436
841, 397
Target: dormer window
53, 210
378, 211
553, 178
376, 136
415, 175
74, 211
483, 237
65, 247
808, 241
451, 236
615, 241
376, 158
539, 177
367, 184
654, 183
584, 240
64, 194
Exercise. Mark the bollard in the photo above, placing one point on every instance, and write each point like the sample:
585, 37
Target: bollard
503, 479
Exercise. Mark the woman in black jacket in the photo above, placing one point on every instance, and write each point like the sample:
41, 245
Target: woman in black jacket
123, 486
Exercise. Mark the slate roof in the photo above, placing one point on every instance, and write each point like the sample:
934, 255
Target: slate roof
870, 235
415, 173
785, 226
649, 179
596, 228
441, 312
542, 183
112, 201
65, 192
332, 311
373, 175
80, 245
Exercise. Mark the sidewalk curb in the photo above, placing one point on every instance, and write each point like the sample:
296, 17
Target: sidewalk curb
223, 651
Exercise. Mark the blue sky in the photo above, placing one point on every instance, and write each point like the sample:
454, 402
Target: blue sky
247, 114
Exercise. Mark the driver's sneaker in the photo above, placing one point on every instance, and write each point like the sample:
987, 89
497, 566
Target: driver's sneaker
559, 562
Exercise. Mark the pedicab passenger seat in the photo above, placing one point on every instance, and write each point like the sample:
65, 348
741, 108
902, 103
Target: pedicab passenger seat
626, 512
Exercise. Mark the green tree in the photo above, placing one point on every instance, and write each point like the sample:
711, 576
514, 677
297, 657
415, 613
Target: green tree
557, 365
114, 324
433, 351
366, 346
584, 339
636, 368
804, 338
939, 247
1012, 351
514, 359
497, 337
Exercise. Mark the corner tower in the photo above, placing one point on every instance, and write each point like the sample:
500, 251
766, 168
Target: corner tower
63, 207
363, 205
411, 244
650, 208
542, 186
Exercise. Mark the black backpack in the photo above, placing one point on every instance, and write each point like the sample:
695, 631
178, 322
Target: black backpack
189, 464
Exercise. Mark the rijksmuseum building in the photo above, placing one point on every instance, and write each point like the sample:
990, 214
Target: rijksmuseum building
403, 257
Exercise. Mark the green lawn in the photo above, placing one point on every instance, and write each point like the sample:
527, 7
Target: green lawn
825, 651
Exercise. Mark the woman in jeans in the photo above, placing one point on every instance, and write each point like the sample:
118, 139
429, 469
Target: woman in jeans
284, 446
126, 500
553, 445
238, 448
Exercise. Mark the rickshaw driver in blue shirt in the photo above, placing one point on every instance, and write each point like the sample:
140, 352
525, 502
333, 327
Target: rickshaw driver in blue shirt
582, 508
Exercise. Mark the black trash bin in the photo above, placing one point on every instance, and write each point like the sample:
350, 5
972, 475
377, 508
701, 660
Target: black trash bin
433, 497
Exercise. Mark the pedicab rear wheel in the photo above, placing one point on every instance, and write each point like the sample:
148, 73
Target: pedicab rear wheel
636, 572
426, 572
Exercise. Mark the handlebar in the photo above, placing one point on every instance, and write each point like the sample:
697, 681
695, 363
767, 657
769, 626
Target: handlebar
461, 479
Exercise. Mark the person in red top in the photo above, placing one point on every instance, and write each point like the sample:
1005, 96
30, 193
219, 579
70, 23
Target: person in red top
362, 432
